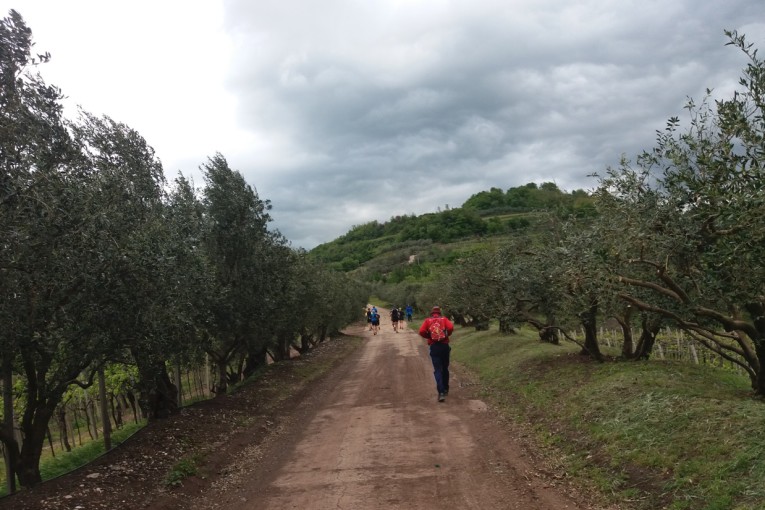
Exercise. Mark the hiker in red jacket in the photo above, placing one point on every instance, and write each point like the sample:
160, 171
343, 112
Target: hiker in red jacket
436, 329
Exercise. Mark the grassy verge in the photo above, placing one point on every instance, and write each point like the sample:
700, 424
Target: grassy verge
51, 467
657, 434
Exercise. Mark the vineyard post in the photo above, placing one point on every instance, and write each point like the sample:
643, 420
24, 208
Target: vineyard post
8, 424
208, 389
107, 424
192, 376
63, 427
694, 354
179, 382
50, 441
189, 385
200, 385
70, 428
679, 341
88, 410
76, 422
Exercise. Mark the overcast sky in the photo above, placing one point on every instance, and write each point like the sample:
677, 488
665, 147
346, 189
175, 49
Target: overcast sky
345, 111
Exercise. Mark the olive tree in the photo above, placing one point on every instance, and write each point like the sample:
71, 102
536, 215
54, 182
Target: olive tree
697, 257
530, 292
475, 289
140, 288
235, 237
49, 335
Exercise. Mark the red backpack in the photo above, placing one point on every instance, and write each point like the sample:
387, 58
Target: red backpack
437, 330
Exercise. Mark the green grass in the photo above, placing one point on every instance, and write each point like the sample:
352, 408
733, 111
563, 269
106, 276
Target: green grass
657, 434
62, 463
184, 468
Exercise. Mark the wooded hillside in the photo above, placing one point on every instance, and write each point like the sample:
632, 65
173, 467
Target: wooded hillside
488, 215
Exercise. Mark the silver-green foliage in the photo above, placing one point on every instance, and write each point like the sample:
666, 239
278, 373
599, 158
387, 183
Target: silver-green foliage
688, 222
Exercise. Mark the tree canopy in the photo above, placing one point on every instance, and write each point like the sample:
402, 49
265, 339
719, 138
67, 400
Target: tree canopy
103, 262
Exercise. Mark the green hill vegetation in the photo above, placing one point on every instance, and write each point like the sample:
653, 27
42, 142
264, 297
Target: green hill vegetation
411, 247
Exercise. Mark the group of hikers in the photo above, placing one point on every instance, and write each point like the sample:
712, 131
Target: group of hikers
396, 317
436, 329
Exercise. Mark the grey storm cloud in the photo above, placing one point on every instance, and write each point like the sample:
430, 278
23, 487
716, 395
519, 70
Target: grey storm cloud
342, 112
402, 107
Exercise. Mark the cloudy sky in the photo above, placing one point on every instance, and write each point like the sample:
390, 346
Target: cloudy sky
345, 111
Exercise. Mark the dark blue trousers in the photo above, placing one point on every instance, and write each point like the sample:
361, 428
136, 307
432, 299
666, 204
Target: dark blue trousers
439, 354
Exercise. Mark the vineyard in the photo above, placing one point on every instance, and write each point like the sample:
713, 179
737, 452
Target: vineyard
671, 344
88, 417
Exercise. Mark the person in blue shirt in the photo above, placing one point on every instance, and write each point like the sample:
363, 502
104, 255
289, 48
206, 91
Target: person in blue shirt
409, 312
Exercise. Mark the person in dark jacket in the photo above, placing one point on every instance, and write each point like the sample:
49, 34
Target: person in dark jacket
395, 315
437, 329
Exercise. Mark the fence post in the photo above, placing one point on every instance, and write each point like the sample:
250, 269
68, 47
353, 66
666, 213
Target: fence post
10, 474
179, 383
694, 354
106, 422
208, 388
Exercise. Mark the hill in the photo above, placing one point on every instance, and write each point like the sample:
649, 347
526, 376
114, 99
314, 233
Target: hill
412, 248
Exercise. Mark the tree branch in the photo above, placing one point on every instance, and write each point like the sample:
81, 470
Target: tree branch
653, 286
710, 335
728, 323
717, 348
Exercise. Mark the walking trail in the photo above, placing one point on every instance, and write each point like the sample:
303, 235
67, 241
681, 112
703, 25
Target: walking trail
373, 436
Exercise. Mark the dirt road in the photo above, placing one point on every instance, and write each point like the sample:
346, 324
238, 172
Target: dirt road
373, 436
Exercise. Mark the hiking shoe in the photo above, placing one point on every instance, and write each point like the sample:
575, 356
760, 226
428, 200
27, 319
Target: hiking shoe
441, 397
446, 393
